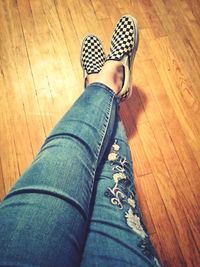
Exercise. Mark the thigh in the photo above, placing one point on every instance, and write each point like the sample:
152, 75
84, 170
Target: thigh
44, 216
45, 221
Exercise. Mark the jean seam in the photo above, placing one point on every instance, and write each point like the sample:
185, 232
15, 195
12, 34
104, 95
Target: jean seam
106, 126
103, 132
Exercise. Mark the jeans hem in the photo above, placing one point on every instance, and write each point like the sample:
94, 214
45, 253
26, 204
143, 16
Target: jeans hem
105, 87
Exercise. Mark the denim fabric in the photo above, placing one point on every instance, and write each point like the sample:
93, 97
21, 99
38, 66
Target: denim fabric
62, 203
117, 235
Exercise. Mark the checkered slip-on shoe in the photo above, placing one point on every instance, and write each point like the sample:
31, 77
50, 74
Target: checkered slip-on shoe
92, 55
124, 44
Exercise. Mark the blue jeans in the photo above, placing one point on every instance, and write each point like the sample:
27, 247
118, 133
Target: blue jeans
76, 204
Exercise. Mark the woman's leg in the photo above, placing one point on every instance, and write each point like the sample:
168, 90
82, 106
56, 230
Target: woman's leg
117, 235
44, 217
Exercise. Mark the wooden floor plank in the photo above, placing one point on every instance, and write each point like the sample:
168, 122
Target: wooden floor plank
183, 50
78, 19
177, 12
160, 103
2, 187
144, 207
92, 21
171, 199
144, 51
132, 8
194, 6
172, 78
9, 172
100, 10
165, 232
20, 133
173, 164
129, 114
27, 89
154, 22
56, 56
112, 10
38, 66
107, 31
9, 164
137, 12
70, 36
41, 77
159, 249
192, 25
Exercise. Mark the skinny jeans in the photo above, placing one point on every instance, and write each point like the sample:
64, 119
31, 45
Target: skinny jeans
76, 204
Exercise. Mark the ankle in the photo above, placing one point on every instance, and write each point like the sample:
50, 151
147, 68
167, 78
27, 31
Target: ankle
91, 78
111, 75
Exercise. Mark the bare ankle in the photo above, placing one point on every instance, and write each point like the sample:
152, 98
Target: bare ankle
111, 75
91, 78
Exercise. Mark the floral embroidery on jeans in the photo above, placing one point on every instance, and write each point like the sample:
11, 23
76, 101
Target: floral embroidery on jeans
123, 195
133, 222
117, 196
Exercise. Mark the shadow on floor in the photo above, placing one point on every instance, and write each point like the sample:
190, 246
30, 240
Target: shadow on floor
131, 110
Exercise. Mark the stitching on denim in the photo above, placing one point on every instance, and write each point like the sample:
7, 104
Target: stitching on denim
123, 195
104, 129
102, 138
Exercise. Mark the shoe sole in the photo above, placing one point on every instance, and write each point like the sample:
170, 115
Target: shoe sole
132, 60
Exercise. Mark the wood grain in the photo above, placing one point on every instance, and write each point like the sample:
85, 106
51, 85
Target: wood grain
171, 253
41, 77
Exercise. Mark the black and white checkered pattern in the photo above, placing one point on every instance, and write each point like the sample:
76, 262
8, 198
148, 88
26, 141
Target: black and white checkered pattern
92, 54
124, 39
124, 43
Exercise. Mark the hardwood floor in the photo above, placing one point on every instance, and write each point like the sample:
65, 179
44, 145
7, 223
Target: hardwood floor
41, 77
